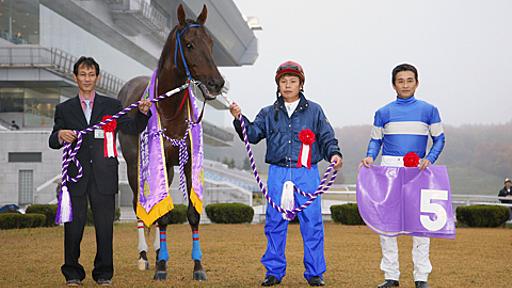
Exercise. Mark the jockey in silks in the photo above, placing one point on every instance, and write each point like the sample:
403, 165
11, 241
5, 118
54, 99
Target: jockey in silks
403, 126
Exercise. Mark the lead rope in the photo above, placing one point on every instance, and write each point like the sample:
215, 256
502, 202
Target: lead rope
64, 210
324, 185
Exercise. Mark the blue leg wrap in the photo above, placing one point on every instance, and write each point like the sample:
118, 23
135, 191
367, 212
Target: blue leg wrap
163, 254
196, 248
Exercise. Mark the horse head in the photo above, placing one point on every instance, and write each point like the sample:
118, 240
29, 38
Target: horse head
193, 54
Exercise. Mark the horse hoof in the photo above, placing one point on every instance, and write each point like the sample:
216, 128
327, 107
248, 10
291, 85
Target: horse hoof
143, 264
200, 275
160, 275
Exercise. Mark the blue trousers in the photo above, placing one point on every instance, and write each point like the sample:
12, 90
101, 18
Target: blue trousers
311, 225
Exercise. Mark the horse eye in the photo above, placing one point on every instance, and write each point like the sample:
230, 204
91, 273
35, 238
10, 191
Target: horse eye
189, 46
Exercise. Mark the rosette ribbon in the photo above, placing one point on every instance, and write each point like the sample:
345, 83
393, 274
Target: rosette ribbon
411, 159
307, 137
109, 140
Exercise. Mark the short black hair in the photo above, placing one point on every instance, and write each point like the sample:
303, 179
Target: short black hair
401, 68
87, 62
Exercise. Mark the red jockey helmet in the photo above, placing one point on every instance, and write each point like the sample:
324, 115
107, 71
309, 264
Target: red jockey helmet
290, 67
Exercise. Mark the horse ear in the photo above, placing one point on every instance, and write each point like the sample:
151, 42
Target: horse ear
201, 19
181, 15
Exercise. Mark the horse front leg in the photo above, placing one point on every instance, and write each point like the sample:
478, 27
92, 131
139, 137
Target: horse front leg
197, 255
160, 244
163, 255
142, 262
193, 216
156, 243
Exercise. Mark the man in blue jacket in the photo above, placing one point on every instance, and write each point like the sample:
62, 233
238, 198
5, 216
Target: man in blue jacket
400, 127
281, 124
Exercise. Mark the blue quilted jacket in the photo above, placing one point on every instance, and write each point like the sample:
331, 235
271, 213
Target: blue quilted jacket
281, 132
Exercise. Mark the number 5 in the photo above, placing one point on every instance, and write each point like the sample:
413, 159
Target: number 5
426, 206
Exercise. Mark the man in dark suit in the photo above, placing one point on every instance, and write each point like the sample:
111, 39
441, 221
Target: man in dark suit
506, 195
99, 182
506, 192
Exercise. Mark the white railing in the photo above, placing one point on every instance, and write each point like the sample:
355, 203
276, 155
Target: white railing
155, 20
64, 62
466, 200
457, 199
220, 172
341, 196
236, 193
56, 60
215, 192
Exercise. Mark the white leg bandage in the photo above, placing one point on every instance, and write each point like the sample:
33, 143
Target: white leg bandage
143, 246
156, 241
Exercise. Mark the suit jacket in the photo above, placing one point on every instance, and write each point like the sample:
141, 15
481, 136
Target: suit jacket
69, 115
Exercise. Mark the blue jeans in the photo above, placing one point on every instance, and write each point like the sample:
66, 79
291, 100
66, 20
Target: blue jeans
311, 225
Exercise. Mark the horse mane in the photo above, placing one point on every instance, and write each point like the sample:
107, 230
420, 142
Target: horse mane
167, 47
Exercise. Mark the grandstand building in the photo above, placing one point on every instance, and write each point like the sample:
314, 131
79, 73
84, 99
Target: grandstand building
40, 41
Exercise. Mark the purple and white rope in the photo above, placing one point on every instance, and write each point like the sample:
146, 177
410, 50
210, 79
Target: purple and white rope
69, 153
183, 156
324, 185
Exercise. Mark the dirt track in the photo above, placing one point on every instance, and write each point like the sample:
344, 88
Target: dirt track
231, 253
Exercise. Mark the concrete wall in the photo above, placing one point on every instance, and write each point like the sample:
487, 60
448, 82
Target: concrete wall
48, 168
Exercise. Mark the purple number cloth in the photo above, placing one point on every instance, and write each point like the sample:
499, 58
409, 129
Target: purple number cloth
406, 201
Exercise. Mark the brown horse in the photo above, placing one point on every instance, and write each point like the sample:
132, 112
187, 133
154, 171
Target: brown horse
198, 60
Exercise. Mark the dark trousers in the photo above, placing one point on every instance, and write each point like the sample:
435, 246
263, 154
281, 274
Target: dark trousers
103, 209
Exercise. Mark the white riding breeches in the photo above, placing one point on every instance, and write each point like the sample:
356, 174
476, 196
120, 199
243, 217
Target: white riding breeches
420, 245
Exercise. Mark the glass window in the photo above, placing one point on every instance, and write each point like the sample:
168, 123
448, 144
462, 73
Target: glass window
19, 21
11, 100
35, 106
39, 106
25, 157
25, 187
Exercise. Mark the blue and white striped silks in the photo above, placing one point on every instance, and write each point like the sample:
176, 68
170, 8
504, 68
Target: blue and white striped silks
403, 126
311, 225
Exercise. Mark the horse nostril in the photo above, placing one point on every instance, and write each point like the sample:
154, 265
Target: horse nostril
216, 85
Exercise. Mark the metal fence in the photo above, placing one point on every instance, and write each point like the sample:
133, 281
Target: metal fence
55, 60
341, 196
64, 62
155, 20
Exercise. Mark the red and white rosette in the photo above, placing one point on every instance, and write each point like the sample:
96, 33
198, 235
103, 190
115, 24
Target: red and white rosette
307, 137
109, 140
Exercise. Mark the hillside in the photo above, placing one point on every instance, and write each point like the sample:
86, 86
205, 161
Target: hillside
478, 157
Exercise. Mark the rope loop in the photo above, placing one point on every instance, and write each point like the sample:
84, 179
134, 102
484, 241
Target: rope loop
324, 185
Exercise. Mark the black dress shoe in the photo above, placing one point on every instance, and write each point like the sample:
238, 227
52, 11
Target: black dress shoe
104, 282
74, 283
389, 283
270, 281
421, 284
316, 281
